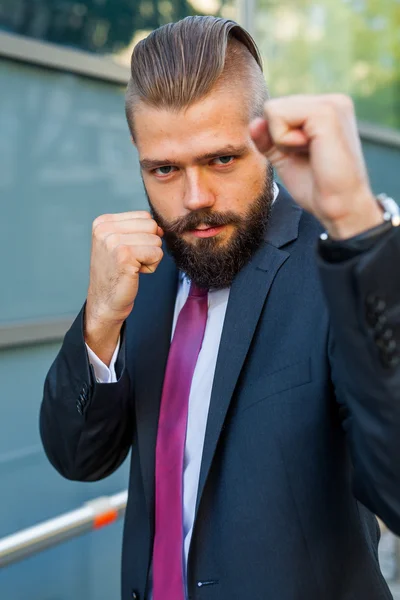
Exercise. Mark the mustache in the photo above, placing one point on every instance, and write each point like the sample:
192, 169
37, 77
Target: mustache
201, 217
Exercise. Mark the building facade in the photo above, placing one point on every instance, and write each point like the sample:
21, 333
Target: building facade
66, 157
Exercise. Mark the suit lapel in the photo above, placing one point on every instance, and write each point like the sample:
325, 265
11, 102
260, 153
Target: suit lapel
150, 336
246, 300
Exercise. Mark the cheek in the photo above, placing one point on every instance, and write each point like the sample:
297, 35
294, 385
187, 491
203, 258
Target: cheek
245, 184
255, 179
257, 173
165, 198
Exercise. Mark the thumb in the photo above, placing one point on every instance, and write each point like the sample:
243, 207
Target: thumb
289, 140
259, 132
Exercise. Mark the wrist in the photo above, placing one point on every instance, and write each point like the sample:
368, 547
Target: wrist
338, 250
102, 335
355, 223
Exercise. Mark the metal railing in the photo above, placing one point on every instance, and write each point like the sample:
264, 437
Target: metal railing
40, 331
93, 515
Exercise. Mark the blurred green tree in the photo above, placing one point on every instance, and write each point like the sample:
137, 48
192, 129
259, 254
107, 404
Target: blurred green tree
309, 46
350, 46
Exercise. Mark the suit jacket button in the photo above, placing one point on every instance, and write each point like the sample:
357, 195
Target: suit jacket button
380, 306
391, 346
376, 303
135, 595
381, 325
387, 334
393, 361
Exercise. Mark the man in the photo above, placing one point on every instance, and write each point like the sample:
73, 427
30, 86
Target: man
267, 432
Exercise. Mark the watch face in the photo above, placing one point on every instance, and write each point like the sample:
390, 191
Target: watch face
391, 210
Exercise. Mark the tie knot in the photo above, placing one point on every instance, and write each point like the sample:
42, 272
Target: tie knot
195, 290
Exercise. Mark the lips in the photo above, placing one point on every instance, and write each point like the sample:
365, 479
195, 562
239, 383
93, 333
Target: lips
205, 232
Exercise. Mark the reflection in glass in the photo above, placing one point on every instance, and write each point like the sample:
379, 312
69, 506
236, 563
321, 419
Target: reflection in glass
101, 26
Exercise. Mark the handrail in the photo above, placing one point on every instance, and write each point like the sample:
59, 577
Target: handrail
378, 134
40, 331
93, 515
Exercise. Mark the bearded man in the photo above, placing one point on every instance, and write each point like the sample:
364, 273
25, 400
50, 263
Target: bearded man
249, 363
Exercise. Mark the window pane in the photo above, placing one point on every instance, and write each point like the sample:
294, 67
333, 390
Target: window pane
350, 46
101, 26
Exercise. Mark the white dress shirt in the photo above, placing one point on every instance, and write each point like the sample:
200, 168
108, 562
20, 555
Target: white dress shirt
199, 397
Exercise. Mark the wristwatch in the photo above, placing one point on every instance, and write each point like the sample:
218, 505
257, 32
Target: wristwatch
338, 250
391, 210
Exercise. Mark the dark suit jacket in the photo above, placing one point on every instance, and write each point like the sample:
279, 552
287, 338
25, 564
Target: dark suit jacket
303, 433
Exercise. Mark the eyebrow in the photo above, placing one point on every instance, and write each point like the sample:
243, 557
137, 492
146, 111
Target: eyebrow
149, 163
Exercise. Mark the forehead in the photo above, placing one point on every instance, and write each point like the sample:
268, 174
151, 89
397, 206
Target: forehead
220, 119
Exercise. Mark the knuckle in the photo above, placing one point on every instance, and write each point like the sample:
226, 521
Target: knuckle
100, 220
271, 108
149, 238
153, 226
338, 103
159, 254
111, 240
154, 254
122, 253
95, 225
101, 229
328, 109
344, 101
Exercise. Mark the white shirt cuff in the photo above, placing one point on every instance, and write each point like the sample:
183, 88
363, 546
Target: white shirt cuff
103, 373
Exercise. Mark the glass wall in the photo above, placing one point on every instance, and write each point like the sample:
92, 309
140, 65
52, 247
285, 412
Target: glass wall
101, 26
350, 46
65, 158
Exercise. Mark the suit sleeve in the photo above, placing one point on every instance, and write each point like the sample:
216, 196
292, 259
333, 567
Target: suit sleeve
363, 296
86, 427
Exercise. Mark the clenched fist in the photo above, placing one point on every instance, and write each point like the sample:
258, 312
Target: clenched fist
313, 143
123, 246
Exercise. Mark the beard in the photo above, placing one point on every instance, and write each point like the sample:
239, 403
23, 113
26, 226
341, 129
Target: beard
208, 262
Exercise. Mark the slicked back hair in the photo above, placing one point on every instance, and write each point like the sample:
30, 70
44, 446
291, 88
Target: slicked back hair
180, 63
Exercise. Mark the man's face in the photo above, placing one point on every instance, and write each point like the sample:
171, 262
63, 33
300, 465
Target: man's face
208, 187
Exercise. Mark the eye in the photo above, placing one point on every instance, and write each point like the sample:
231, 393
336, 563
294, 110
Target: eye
164, 171
223, 160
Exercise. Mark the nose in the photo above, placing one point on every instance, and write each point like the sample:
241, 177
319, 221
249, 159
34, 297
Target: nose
198, 193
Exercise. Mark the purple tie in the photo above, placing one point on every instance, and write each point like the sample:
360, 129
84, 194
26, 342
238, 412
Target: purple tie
168, 580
